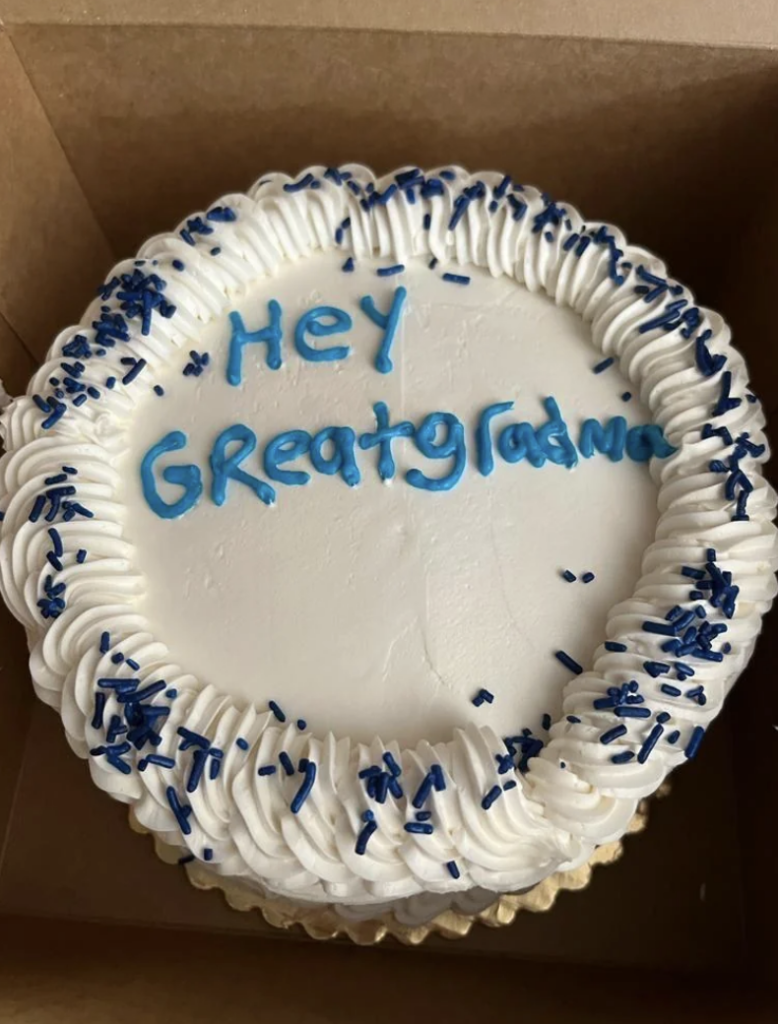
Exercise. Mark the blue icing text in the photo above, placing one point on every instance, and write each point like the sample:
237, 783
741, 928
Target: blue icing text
225, 468
388, 323
319, 322
440, 437
270, 335
188, 477
383, 438
311, 323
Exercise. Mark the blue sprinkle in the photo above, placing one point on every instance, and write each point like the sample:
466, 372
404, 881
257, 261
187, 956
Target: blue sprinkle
694, 743
423, 791
178, 265
132, 373
158, 759
81, 556
216, 250
587, 577
662, 717
427, 222
670, 690
191, 739
447, 175
303, 792
298, 186
456, 278
697, 694
453, 870
612, 645
105, 642
56, 539
172, 692
181, 811
286, 762
655, 668
433, 263
726, 648
348, 266
243, 744
279, 714
546, 722
364, 836
79, 399
133, 664
600, 367
494, 793
631, 711
207, 853
394, 768
438, 778
691, 573
268, 769
623, 757
223, 214
186, 859
368, 815
613, 734
419, 828
626, 396
97, 717
398, 268
568, 662
481, 697
569, 576
301, 724
117, 658
423, 815
674, 736
661, 628
159, 390
574, 719
651, 741
110, 383
510, 784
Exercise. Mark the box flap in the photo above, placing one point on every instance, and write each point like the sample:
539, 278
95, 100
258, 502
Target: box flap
44, 284
751, 23
92, 974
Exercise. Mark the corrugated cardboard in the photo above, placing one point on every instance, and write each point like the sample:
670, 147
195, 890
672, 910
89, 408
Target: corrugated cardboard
118, 120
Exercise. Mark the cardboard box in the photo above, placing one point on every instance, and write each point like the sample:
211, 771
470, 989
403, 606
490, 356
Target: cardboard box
117, 122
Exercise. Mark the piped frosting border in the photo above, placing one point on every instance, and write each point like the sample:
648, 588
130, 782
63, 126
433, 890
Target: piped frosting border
189, 759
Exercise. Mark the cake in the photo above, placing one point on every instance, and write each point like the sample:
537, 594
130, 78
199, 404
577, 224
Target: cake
384, 541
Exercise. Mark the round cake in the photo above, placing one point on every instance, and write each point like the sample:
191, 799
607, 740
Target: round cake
384, 541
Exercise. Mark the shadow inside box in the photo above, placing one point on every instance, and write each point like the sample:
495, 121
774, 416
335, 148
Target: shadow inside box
70, 853
651, 137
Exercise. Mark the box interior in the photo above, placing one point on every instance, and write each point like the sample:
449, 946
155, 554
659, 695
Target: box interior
112, 129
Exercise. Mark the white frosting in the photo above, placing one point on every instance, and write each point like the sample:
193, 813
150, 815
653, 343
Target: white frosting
383, 607
555, 816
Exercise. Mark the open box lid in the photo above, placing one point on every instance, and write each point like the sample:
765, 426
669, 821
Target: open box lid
642, 115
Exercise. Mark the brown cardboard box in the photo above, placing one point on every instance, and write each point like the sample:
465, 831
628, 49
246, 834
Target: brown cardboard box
116, 121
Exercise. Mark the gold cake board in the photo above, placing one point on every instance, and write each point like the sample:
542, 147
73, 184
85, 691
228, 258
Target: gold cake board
325, 923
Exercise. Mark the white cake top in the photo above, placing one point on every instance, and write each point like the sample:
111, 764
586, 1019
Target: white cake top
227, 642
